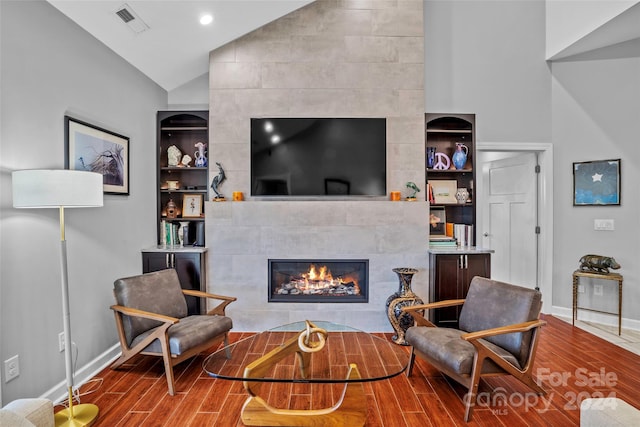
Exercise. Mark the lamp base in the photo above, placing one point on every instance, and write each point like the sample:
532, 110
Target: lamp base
83, 415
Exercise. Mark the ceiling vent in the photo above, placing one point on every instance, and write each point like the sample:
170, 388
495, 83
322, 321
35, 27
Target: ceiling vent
131, 19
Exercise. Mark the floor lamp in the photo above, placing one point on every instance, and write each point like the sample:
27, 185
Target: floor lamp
61, 189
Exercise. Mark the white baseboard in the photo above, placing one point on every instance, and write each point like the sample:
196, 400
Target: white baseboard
59, 392
600, 318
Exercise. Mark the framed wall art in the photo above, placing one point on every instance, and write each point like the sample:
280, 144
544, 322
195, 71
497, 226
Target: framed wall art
444, 190
437, 221
91, 148
191, 205
596, 183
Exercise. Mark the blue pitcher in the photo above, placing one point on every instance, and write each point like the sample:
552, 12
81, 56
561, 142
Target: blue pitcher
459, 158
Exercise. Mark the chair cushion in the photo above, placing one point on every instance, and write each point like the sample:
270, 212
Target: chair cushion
157, 292
189, 332
491, 304
445, 347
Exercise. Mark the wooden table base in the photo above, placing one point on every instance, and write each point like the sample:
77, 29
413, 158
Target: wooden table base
350, 410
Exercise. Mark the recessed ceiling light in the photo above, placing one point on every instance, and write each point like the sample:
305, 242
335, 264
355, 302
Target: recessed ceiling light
275, 139
206, 19
268, 126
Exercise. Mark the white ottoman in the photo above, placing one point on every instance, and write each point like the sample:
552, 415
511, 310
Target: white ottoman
608, 412
27, 413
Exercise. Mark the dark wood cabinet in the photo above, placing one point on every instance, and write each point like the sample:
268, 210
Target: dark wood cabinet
190, 266
451, 275
184, 183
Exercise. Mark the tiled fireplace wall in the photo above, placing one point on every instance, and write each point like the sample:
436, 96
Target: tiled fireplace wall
332, 58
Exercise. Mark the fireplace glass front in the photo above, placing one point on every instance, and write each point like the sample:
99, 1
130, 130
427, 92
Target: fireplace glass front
317, 280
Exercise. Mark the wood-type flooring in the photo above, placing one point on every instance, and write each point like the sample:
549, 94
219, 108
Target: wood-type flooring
571, 363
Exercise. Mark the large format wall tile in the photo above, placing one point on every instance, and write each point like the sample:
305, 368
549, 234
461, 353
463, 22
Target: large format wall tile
332, 58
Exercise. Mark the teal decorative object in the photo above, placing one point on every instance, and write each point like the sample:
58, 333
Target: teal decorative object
414, 187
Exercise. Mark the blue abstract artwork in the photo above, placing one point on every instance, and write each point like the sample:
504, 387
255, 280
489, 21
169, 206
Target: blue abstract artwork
596, 183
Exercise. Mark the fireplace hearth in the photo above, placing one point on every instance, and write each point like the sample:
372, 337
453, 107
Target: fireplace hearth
318, 280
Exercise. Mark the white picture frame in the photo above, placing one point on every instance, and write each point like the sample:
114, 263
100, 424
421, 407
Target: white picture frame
444, 190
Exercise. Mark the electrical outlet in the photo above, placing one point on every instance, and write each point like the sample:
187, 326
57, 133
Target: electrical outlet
11, 368
581, 289
597, 290
61, 342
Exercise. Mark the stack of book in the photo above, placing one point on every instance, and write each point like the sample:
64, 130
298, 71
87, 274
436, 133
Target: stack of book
442, 242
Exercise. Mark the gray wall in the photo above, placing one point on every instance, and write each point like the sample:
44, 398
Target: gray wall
596, 109
487, 58
51, 67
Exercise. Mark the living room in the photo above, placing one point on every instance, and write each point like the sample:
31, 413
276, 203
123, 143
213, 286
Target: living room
487, 58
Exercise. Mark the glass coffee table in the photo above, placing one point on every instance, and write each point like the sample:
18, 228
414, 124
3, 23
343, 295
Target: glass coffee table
308, 353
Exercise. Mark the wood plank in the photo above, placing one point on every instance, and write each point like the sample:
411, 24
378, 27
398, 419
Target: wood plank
137, 393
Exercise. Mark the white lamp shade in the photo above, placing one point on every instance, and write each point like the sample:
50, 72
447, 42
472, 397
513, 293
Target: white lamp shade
53, 188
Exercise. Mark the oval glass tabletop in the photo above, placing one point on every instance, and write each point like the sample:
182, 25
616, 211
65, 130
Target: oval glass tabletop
321, 352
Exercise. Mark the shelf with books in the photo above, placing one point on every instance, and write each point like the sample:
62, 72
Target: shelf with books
182, 174
449, 136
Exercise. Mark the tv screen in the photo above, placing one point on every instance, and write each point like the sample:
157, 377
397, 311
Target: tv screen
318, 156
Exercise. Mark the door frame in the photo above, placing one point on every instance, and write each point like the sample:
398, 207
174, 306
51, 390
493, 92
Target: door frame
545, 207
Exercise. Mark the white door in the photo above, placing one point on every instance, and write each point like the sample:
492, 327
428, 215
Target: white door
509, 218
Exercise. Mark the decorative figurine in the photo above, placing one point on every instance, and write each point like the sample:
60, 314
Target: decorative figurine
415, 189
174, 154
200, 155
186, 159
172, 209
598, 264
217, 181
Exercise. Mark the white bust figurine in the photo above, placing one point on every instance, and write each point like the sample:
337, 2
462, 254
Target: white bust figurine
186, 159
174, 155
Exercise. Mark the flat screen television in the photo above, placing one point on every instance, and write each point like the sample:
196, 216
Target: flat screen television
318, 156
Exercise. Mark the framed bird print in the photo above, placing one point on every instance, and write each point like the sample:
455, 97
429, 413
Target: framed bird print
91, 148
192, 206
596, 183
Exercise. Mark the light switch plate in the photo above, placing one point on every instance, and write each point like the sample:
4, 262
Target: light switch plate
603, 224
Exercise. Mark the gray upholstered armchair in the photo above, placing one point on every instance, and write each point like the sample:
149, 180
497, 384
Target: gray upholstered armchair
497, 335
151, 317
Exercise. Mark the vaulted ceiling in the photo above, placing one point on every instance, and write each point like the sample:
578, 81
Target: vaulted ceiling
173, 47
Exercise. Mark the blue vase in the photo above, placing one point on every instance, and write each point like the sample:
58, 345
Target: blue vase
459, 158
431, 157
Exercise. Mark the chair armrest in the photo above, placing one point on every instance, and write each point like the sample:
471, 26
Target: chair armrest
517, 327
202, 294
134, 312
416, 310
437, 304
218, 309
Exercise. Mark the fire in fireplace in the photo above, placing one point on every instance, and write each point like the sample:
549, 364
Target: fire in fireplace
318, 280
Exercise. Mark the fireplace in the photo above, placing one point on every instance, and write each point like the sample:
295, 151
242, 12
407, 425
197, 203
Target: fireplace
318, 280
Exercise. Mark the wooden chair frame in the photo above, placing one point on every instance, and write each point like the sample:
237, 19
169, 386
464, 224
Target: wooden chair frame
170, 360
483, 352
